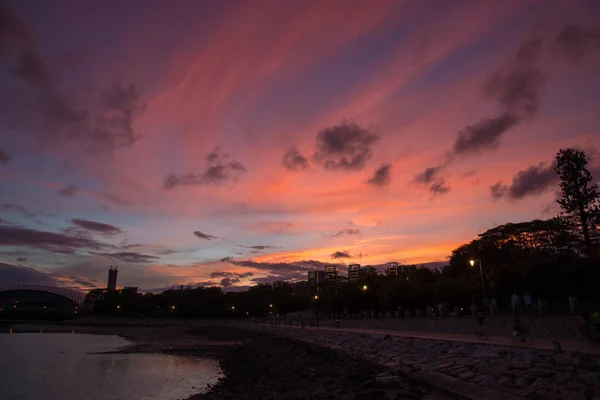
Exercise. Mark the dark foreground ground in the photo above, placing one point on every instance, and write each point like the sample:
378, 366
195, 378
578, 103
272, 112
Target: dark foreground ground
268, 367
261, 366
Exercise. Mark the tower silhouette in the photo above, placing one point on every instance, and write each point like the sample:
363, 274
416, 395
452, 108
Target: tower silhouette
112, 278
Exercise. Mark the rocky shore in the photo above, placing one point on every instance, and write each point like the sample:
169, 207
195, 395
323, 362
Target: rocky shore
264, 366
260, 365
526, 372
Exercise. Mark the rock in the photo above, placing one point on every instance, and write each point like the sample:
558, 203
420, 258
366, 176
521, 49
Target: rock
504, 380
479, 378
373, 394
519, 365
465, 376
522, 382
590, 378
446, 365
489, 381
562, 378
572, 386
540, 372
570, 395
388, 381
494, 370
458, 371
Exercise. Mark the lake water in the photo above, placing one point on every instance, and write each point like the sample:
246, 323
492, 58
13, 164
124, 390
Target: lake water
57, 366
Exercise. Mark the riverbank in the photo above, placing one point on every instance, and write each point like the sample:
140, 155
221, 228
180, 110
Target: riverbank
258, 365
266, 366
526, 372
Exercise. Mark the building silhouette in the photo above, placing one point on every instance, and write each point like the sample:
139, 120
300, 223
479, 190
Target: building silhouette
315, 277
356, 273
330, 273
393, 269
112, 278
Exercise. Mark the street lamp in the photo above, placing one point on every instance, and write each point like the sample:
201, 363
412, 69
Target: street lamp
316, 297
364, 287
472, 262
270, 305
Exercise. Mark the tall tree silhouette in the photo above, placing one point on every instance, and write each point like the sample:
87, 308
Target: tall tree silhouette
580, 197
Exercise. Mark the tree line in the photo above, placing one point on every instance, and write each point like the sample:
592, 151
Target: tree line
551, 259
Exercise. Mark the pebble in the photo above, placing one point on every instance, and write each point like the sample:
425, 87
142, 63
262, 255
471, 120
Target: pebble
590, 378
465, 376
539, 374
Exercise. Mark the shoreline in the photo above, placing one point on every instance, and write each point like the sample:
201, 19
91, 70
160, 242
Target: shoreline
259, 365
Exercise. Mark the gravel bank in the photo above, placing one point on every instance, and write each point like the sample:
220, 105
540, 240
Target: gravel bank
272, 367
531, 373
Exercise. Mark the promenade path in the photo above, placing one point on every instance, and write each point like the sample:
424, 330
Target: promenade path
568, 345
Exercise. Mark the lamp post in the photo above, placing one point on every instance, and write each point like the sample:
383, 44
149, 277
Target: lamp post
472, 262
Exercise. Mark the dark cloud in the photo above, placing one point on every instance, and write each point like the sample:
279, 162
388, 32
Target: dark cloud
347, 232
574, 41
346, 146
519, 85
14, 33
117, 200
19, 275
97, 227
74, 281
225, 274
31, 69
22, 259
49, 241
4, 156
518, 88
282, 271
100, 121
226, 259
534, 180
382, 176
219, 171
498, 190
429, 175
270, 227
67, 191
129, 257
483, 135
440, 187
204, 236
24, 211
259, 247
294, 161
229, 279
432, 176
341, 254
227, 282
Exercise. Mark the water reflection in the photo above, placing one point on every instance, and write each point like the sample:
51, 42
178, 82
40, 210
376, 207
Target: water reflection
35, 366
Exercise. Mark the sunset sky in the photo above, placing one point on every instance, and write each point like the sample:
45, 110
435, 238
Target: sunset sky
235, 142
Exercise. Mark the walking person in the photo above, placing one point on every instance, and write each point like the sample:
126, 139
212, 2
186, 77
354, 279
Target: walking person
493, 307
528, 303
515, 300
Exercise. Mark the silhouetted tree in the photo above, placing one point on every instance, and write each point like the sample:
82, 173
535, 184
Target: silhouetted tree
580, 197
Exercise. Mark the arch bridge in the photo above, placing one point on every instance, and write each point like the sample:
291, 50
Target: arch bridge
73, 295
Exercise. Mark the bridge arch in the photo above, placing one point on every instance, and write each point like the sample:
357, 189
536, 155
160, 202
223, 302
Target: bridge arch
73, 295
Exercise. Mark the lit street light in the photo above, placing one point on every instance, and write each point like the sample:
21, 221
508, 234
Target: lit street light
364, 287
270, 305
472, 262
316, 297
232, 308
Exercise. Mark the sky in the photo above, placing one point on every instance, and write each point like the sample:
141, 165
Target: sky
236, 142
